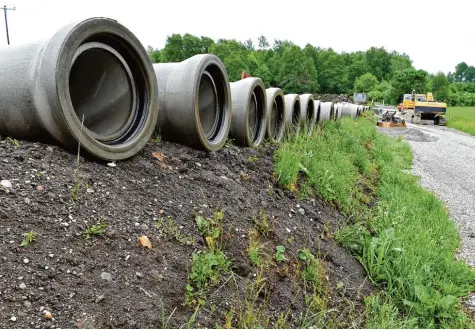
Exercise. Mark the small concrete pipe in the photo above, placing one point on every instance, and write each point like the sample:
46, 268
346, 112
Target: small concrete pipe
326, 111
194, 102
275, 112
308, 112
349, 110
292, 109
249, 112
91, 82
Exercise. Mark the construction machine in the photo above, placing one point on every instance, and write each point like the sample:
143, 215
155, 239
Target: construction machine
424, 107
390, 118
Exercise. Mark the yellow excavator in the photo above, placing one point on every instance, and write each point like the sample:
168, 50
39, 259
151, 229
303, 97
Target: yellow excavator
424, 107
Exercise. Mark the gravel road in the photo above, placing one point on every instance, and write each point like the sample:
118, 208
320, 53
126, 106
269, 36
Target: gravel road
444, 159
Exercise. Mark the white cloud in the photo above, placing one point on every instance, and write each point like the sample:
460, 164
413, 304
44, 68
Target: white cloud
435, 36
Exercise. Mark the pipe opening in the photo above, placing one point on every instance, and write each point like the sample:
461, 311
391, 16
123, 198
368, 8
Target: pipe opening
212, 103
276, 117
309, 111
256, 115
296, 112
102, 90
318, 111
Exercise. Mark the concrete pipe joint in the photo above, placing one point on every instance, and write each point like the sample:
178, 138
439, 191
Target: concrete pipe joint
338, 111
91, 83
349, 110
275, 114
249, 112
308, 112
194, 102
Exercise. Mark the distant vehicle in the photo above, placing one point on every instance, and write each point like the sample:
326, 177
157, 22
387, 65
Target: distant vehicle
424, 107
360, 98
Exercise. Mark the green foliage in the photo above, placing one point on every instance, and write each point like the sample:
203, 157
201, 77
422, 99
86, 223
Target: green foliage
406, 241
365, 83
440, 86
211, 229
28, 239
279, 256
407, 80
94, 230
461, 118
169, 229
207, 269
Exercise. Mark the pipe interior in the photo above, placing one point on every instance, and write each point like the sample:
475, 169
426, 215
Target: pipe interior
296, 112
318, 110
102, 90
310, 110
212, 103
256, 114
276, 116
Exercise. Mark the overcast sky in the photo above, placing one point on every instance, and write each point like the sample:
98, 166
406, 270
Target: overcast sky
436, 36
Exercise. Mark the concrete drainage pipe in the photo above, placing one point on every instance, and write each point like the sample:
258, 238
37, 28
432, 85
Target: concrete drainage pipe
249, 112
326, 111
91, 82
292, 112
275, 121
194, 102
308, 112
350, 110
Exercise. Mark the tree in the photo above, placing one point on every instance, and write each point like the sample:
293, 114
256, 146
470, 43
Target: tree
365, 83
400, 62
263, 42
407, 80
379, 62
440, 86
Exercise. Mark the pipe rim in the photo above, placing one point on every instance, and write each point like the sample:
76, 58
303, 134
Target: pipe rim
258, 96
132, 88
117, 36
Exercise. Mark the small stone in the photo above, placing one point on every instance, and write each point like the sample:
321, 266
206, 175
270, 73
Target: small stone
137, 224
26, 260
139, 274
288, 230
6, 184
48, 315
144, 227
22, 286
198, 164
51, 255
27, 200
127, 257
27, 304
111, 164
161, 212
49, 149
301, 210
290, 215
13, 319
90, 190
298, 206
100, 298
106, 276
65, 224
40, 188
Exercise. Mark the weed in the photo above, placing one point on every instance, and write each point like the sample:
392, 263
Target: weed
261, 223
207, 269
252, 159
211, 229
279, 256
169, 229
312, 273
256, 251
94, 230
13, 142
165, 321
157, 137
28, 239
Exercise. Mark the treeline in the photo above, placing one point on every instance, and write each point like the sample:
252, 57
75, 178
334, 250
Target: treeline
384, 75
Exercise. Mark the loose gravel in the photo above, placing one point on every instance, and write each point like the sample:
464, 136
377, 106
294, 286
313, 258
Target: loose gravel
444, 159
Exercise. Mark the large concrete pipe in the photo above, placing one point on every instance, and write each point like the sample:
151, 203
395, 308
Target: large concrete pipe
317, 106
349, 110
326, 111
249, 112
194, 102
275, 114
292, 109
308, 112
91, 82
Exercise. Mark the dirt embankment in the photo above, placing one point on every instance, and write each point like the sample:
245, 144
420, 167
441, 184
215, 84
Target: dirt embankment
334, 98
110, 281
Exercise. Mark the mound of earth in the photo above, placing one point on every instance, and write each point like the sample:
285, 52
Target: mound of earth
334, 98
109, 281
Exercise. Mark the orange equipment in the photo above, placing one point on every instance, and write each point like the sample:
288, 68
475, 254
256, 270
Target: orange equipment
245, 75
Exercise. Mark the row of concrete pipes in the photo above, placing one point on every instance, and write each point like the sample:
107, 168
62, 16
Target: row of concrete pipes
93, 83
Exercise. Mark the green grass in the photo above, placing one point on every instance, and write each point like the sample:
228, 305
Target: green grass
461, 118
406, 241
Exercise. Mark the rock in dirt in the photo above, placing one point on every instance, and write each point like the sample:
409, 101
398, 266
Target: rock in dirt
6, 183
22, 286
301, 210
106, 276
144, 227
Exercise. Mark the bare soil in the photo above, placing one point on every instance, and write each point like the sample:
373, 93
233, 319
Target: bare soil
109, 281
